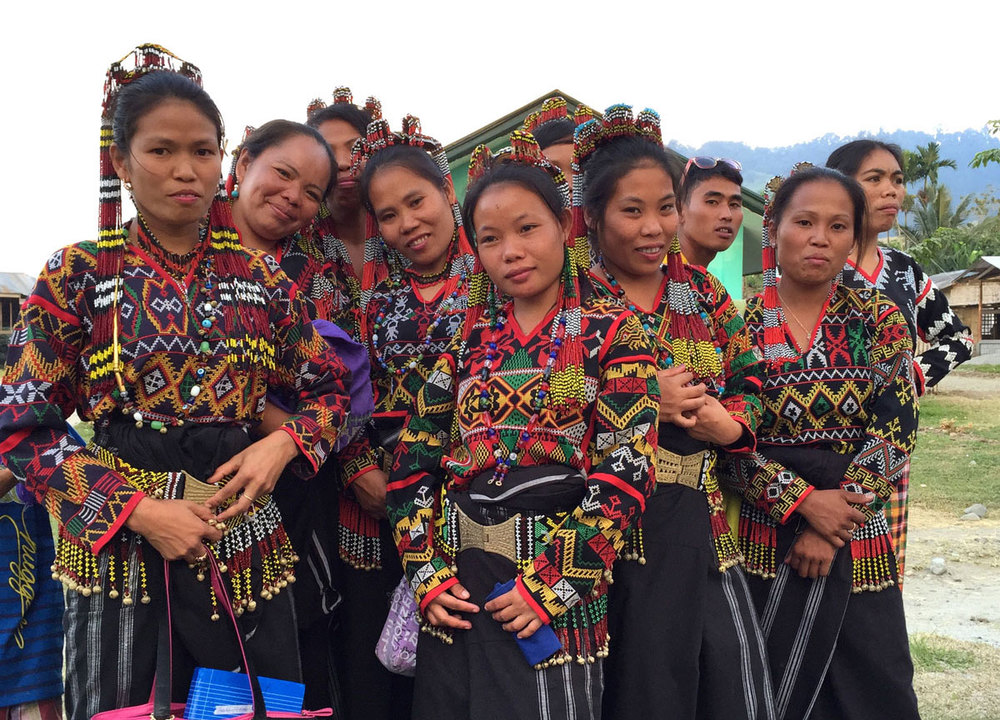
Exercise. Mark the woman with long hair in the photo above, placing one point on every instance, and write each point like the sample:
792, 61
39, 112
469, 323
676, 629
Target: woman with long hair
878, 167
527, 457
838, 426
685, 634
166, 333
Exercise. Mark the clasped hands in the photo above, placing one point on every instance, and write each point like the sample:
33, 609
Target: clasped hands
691, 407
510, 609
180, 529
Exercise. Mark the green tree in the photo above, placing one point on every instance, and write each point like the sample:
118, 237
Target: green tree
925, 163
987, 156
934, 210
959, 247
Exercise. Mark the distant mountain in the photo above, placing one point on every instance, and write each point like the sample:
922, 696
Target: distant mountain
761, 164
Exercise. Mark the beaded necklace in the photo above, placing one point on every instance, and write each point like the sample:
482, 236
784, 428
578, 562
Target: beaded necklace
174, 263
506, 457
665, 343
210, 315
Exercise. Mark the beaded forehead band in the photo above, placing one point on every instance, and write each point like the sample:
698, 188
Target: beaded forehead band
342, 96
556, 108
523, 149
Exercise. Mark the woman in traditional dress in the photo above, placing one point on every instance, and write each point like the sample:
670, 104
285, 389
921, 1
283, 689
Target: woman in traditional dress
280, 175
166, 333
686, 640
412, 302
878, 167
528, 456
838, 426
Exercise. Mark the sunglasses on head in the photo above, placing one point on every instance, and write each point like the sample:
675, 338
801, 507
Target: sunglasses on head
707, 163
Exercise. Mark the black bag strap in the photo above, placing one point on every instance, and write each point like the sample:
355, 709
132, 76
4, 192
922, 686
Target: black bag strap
164, 647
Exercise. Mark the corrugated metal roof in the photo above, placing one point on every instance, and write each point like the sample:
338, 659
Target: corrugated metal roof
946, 279
16, 283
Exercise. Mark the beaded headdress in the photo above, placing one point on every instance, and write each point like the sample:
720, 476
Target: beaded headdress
553, 109
382, 262
567, 378
691, 336
776, 347
342, 95
246, 316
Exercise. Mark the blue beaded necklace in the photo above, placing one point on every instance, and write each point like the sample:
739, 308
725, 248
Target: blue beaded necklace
506, 457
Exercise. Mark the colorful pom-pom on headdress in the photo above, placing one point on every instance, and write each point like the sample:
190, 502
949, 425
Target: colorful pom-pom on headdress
553, 109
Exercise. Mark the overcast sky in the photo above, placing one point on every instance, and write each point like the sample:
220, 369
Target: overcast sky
765, 73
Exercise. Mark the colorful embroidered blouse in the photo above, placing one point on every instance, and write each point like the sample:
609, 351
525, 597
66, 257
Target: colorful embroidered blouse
47, 377
611, 440
345, 283
926, 309
735, 367
302, 260
851, 391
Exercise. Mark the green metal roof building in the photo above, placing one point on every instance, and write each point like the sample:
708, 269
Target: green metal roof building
743, 258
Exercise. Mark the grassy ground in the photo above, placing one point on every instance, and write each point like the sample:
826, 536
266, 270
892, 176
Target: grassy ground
955, 680
956, 462
985, 369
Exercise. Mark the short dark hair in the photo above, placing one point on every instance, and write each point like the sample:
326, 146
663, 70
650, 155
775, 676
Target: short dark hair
414, 159
789, 187
554, 132
695, 176
848, 158
533, 179
350, 113
142, 96
612, 162
275, 132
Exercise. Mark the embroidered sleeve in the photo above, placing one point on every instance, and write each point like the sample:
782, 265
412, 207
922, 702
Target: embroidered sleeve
621, 448
415, 481
38, 393
768, 484
358, 458
314, 374
892, 423
742, 365
937, 324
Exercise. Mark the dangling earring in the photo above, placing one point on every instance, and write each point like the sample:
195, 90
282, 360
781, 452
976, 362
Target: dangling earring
128, 188
235, 192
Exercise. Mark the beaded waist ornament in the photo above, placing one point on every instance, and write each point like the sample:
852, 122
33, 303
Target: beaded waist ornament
583, 629
258, 533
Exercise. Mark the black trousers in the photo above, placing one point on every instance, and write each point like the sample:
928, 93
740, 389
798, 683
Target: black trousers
685, 642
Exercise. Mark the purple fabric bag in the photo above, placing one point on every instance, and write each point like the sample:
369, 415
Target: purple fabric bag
397, 645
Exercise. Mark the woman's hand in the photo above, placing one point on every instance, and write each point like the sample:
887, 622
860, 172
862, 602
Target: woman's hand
714, 424
515, 613
811, 555
7, 481
677, 397
369, 491
176, 528
833, 513
443, 610
256, 473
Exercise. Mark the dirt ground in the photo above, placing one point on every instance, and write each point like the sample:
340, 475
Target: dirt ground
964, 602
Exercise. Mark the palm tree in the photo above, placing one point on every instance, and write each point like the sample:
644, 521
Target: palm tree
925, 163
933, 210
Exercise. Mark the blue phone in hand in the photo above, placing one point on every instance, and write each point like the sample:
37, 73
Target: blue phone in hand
542, 645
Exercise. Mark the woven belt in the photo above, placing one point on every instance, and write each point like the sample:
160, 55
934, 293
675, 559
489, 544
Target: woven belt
680, 469
499, 539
